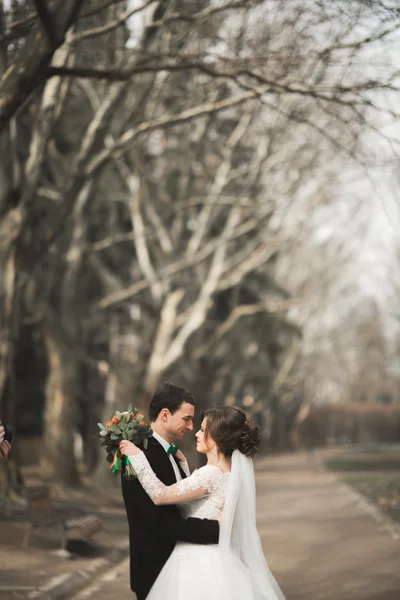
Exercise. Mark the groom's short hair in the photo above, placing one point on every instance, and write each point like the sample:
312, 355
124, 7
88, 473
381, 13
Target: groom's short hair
170, 396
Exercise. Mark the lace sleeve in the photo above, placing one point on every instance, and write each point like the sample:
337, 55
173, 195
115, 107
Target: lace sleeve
199, 484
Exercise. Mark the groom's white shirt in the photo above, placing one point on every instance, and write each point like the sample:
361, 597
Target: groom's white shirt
184, 465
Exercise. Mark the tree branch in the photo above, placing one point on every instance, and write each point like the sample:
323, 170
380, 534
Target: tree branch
168, 121
163, 336
239, 311
47, 22
99, 8
76, 181
258, 258
142, 251
323, 92
30, 67
219, 182
200, 307
96, 31
178, 266
363, 42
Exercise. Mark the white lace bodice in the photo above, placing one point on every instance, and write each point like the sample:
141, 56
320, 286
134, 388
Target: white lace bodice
211, 505
201, 495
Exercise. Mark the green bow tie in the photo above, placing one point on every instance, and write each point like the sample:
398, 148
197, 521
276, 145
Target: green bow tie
172, 449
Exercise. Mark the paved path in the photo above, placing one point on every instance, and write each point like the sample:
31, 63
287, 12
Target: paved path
320, 539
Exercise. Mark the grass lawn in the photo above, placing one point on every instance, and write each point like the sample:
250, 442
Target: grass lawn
375, 473
383, 490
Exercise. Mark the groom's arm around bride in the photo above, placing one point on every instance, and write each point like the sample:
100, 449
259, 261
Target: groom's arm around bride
154, 530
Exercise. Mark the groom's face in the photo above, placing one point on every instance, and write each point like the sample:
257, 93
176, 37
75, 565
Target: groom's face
181, 422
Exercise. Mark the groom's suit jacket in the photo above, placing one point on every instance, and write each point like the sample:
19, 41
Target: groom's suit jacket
154, 530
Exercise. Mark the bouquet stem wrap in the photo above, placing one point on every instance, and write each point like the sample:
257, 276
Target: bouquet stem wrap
117, 463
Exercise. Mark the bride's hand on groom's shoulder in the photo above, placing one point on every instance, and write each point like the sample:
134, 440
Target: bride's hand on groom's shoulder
180, 456
127, 448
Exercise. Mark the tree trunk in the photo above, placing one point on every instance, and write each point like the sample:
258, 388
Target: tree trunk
29, 69
10, 475
9, 229
58, 461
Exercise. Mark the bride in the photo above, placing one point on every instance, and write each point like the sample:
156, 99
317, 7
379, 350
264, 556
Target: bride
224, 489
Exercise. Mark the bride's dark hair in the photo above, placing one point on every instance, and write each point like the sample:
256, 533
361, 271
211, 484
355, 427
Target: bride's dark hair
229, 428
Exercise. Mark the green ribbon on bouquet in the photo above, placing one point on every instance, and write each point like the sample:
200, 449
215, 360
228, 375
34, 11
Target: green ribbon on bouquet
116, 465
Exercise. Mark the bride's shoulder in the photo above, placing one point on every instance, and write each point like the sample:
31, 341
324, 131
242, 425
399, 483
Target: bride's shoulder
210, 470
209, 477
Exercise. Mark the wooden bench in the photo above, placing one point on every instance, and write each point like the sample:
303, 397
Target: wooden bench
43, 515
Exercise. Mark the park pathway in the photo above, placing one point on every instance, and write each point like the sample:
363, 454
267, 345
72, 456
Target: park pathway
320, 539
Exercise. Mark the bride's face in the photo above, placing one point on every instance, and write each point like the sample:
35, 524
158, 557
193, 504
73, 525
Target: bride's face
202, 445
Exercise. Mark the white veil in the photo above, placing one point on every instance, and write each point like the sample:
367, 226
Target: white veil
239, 531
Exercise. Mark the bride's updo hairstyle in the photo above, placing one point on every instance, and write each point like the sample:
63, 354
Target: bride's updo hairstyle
229, 428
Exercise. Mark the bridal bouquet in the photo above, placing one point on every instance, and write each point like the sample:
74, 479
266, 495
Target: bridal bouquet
129, 425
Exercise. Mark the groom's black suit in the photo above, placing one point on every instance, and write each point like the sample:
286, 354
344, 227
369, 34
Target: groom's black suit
154, 530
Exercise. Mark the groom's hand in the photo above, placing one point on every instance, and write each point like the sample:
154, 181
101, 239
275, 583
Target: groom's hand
127, 448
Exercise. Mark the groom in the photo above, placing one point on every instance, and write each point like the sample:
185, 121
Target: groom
154, 530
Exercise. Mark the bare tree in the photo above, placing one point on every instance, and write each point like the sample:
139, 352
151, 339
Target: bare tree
153, 180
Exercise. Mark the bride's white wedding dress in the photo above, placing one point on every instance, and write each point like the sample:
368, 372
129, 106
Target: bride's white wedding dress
234, 569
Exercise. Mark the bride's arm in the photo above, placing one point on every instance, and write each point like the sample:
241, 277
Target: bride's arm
199, 484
